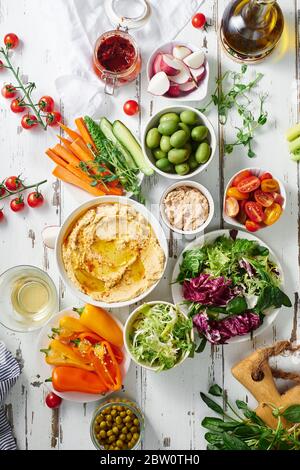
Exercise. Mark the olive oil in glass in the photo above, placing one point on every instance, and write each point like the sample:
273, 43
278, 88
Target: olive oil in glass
250, 29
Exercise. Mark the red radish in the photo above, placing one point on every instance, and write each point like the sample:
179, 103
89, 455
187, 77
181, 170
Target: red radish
174, 90
195, 60
159, 84
198, 74
183, 76
170, 65
156, 63
187, 87
180, 52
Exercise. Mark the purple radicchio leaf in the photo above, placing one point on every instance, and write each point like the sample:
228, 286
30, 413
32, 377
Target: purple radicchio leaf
219, 332
208, 290
247, 266
233, 233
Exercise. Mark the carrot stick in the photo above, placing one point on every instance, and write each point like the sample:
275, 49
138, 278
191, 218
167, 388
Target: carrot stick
55, 158
73, 134
66, 176
76, 171
66, 142
80, 153
66, 155
114, 191
80, 124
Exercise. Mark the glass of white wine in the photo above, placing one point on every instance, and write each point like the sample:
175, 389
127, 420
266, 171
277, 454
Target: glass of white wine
28, 298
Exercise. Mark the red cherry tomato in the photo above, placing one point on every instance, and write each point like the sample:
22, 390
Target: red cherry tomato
254, 212
11, 40
9, 91
46, 103
252, 226
131, 107
12, 183
2, 190
249, 184
278, 198
264, 199
53, 118
1, 65
199, 20
29, 121
17, 204
242, 175
17, 106
35, 199
232, 207
270, 185
242, 217
1, 215
265, 176
52, 400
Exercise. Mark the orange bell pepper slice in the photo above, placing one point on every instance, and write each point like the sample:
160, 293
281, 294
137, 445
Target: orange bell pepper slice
69, 379
106, 365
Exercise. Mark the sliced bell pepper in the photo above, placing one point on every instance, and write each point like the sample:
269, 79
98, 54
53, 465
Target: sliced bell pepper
101, 322
106, 366
94, 339
59, 354
70, 379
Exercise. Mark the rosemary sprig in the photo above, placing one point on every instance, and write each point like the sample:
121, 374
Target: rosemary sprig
237, 97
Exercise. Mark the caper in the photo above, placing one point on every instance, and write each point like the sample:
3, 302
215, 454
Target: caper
119, 443
118, 420
122, 437
135, 436
109, 417
111, 439
136, 422
103, 425
133, 429
129, 412
115, 430
102, 434
128, 419
113, 412
109, 433
123, 414
97, 428
129, 436
124, 430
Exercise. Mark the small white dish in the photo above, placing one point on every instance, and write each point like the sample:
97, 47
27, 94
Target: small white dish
199, 93
45, 370
203, 120
257, 172
204, 191
209, 238
127, 328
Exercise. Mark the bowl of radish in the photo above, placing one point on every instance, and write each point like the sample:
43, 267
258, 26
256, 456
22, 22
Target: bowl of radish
178, 70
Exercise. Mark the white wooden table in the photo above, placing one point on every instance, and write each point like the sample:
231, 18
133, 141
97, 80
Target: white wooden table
171, 401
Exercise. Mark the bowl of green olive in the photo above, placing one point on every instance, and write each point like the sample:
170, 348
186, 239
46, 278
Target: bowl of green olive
179, 141
117, 424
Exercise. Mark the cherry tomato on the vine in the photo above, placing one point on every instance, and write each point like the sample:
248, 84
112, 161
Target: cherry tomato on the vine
13, 183
232, 207
52, 400
35, 199
1, 215
249, 184
264, 199
17, 204
53, 118
252, 226
254, 212
131, 107
46, 103
199, 20
1, 65
29, 121
242, 175
11, 40
9, 91
2, 190
17, 106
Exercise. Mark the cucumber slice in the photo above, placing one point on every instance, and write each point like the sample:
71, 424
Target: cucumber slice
107, 129
293, 133
125, 137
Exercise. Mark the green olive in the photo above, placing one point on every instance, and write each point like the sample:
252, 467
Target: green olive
158, 153
120, 408
122, 437
119, 443
123, 414
111, 439
130, 445
136, 422
167, 128
203, 153
135, 436
128, 419
115, 430
109, 418
102, 434
188, 117
178, 139
153, 138
97, 428
118, 420
182, 169
193, 162
185, 128
111, 448
106, 447
176, 156
169, 117
113, 412
103, 425
124, 430
199, 133
129, 436
165, 145
164, 165
133, 429
189, 148
109, 433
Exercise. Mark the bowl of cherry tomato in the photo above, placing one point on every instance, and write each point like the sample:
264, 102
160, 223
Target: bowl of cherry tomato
253, 199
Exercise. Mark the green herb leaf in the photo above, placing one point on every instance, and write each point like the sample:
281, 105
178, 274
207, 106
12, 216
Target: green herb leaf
215, 390
212, 404
292, 414
233, 443
237, 305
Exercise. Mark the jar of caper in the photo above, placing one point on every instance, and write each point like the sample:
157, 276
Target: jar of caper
117, 424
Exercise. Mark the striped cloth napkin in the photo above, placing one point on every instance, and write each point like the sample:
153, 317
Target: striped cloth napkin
9, 372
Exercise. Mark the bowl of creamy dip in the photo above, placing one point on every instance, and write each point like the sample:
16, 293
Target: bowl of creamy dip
187, 207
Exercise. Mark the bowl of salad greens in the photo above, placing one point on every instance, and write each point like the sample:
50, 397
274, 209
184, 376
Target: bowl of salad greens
230, 284
158, 336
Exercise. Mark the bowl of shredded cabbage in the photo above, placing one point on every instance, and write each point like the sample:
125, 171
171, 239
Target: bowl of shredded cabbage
158, 336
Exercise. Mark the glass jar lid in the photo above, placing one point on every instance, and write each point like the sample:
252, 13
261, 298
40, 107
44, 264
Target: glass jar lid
126, 14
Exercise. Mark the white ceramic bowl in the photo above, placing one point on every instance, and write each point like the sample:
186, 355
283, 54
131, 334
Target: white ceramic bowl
209, 238
127, 328
153, 121
204, 191
257, 172
74, 216
45, 370
199, 93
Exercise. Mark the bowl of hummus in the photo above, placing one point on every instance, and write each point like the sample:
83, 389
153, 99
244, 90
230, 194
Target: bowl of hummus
187, 207
111, 252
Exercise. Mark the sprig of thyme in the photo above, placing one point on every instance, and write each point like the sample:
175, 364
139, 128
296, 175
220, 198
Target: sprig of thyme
237, 98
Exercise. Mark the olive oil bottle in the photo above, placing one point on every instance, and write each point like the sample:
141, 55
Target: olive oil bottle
250, 29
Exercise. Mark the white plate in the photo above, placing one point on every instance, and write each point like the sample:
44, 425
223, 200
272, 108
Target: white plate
209, 238
45, 370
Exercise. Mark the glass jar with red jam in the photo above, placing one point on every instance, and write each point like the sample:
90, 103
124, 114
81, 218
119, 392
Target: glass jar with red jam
117, 59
